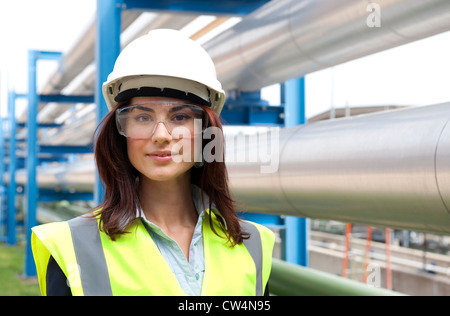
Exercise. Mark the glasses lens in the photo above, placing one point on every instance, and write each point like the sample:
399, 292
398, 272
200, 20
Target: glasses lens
139, 121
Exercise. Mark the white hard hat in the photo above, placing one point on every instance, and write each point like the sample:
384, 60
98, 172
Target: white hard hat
164, 62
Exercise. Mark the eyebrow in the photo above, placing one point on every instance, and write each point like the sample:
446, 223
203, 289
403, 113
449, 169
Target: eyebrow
177, 108
143, 108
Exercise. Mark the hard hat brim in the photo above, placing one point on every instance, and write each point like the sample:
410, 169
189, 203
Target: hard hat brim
124, 88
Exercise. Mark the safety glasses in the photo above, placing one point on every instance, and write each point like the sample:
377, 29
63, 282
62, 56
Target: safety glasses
139, 121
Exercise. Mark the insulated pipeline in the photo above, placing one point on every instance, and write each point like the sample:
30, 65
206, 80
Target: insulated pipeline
287, 39
390, 169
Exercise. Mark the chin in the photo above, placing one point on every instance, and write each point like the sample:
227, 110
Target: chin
166, 173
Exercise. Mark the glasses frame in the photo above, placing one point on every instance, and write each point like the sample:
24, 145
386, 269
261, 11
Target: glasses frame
121, 131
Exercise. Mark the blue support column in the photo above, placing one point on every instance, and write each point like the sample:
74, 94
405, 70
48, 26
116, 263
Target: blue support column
11, 215
106, 51
31, 189
2, 186
294, 102
296, 228
2, 149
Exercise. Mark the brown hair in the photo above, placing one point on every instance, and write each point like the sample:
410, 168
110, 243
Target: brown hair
121, 199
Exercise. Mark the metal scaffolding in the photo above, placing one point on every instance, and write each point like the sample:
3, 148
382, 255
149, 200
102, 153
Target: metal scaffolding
258, 58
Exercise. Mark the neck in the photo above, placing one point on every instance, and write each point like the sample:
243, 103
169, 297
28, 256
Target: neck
168, 203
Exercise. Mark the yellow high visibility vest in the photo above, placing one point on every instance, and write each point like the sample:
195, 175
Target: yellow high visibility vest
133, 265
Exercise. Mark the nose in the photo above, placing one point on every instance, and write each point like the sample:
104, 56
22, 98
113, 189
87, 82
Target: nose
161, 133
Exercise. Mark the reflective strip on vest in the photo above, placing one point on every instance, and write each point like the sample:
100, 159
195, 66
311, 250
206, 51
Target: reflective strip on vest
92, 262
90, 256
254, 247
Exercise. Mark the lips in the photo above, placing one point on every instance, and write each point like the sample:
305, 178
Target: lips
162, 156
161, 153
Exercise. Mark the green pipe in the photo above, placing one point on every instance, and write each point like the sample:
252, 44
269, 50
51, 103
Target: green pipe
289, 279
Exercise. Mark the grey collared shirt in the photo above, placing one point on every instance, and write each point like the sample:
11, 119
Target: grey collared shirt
188, 273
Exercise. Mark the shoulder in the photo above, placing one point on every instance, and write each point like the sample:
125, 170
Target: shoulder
56, 239
51, 239
50, 230
60, 233
267, 236
57, 228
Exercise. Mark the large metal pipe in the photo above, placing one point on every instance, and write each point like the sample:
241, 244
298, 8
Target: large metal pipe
73, 177
289, 279
389, 169
286, 39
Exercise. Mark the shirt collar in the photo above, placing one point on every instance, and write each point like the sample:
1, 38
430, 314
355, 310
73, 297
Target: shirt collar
201, 204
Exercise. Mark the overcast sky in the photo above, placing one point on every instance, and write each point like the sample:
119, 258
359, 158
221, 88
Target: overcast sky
413, 74
50, 25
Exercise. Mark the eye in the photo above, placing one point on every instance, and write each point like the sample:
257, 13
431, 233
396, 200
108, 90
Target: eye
143, 118
180, 117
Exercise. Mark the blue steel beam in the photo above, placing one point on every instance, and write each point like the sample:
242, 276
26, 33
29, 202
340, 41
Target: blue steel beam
46, 195
41, 125
269, 220
293, 97
66, 149
20, 162
60, 98
296, 227
11, 214
17, 140
31, 189
2, 171
2, 149
107, 48
20, 96
223, 7
46, 55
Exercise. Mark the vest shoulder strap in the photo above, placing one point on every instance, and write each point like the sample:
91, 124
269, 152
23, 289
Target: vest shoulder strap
90, 256
254, 247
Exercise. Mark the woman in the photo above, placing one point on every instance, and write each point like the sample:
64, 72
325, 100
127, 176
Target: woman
167, 225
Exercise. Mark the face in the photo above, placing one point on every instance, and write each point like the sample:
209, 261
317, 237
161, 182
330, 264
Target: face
160, 136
